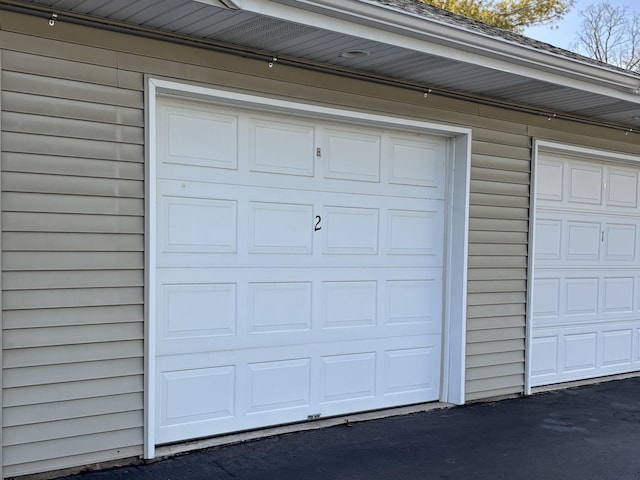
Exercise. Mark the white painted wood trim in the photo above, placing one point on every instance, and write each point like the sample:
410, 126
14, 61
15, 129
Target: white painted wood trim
457, 246
454, 336
150, 271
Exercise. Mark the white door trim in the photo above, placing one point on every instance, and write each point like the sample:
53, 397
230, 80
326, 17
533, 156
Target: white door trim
547, 146
454, 336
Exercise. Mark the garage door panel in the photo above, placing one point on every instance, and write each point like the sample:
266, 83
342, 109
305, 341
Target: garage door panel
281, 147
586, 303
267, 384
304, 279
199, 137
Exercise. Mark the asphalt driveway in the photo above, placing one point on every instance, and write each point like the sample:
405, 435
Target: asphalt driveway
590, 432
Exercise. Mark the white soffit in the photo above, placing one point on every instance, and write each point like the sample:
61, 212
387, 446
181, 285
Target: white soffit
373, 21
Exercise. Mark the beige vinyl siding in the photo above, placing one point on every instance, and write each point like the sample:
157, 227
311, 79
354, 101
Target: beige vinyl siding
498, 237
72, 259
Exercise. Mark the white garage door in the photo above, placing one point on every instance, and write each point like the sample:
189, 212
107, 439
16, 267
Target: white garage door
586, 304
299, 268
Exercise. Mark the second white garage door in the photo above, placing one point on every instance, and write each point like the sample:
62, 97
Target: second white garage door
586, 304
299, 268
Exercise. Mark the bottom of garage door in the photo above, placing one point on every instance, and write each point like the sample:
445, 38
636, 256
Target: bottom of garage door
298, 268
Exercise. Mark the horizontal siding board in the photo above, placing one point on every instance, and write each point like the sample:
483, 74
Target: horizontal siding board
72, 335
492, 371
500, 163
76, 427
70, 128
502, 358
57, 49
497, 273
74, 445
480, 311
50, 145
71, 297
496, 392
495, 322
499, 212
496, 298
32, 357
495, 286
71, 90
499, 176
60, 392
73, 166
71, 70
483, 348
67, 185
488, 224
20, 377
70, 222
491, 385
498, 200
485, 261
53, 242
62, 463
493, 335
115, 314
48, 106
497, 249
499, 188
79, 279
76, 408
71, 260
490, 237
501, 150
75, 204
501, 136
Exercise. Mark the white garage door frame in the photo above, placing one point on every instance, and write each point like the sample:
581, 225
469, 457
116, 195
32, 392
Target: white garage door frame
540, 147
455, 274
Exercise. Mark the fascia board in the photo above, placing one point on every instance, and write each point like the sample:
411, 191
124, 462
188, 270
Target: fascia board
371, 22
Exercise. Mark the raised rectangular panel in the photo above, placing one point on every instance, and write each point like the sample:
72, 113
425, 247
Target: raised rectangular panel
279, 385
347, 377
415, 162
620, 242
350, 230
197, 310
636, 342
199, 225
409, 370
200, 138
549, 180
581, 296
617, 347
580, 352
546, 297
411, 301
352, 156
196, 395
548, 239
279, 307
585, 184
279, 147
583, 240
544, 356
623, 188
412, 232
349, 304
280, 228
618, 294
